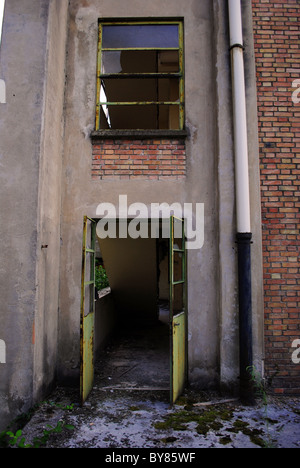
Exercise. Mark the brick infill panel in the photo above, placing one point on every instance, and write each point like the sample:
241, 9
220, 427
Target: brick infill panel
138, 159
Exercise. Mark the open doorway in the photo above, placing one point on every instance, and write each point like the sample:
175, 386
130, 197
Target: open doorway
135, 325
138, 351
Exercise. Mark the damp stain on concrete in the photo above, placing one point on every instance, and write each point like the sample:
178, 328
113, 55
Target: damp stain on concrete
134, 419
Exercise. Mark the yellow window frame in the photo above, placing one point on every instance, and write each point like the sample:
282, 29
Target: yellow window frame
179, 75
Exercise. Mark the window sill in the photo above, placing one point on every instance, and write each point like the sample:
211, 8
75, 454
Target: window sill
138, 134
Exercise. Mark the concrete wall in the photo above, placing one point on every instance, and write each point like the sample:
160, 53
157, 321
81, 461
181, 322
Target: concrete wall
46, 188
32, 52
212, 293
49, 198
82, 195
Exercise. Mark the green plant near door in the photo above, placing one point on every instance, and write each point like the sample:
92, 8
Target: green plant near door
101, 279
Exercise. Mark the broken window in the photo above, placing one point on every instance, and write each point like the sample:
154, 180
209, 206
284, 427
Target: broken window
140, 76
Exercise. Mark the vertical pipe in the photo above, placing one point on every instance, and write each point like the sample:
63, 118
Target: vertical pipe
2, 5
244, 234
239, 117
245, 315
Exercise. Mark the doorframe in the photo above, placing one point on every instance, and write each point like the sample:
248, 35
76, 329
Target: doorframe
91, 251
173, 283
87, 321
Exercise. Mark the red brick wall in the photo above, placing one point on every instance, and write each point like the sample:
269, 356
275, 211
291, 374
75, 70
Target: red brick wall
276, 33
139, 159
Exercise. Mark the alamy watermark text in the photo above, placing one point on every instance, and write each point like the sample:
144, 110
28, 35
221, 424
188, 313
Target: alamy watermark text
151, 221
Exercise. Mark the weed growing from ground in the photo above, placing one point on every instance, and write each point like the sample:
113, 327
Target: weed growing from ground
16, 440
260, 390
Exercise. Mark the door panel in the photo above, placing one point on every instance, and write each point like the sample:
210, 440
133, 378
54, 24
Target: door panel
179, 355
87, 308
87, 359
178, 319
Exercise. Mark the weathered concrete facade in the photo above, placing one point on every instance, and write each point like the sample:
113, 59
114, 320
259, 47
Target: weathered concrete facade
31, 128
47, 187
209, 179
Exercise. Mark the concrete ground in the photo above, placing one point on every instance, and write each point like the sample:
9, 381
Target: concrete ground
135, 419
129, 408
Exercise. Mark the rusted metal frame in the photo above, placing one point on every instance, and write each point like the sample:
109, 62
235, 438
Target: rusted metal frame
82, 299
172, 284
172, 251
140, 103
137, 49
106, 76
140, 22
116, 49
92, 252
86, 250
171, 301
171, 266
180, 75
185, 297
182, 251
99, 57
91, 283
83, 269
181, 81
175, 283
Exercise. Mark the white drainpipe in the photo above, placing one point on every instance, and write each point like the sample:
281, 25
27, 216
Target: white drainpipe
244, 234
239, 115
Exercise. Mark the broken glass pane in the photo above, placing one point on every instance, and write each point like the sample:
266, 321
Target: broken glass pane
178, 270
141, 90
140, 61
111, 62
141, 117
178, 299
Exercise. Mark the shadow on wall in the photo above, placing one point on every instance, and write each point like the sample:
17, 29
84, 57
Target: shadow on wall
132, 271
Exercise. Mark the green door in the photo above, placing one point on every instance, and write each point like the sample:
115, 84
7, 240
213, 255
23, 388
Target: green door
178, 312
87, 308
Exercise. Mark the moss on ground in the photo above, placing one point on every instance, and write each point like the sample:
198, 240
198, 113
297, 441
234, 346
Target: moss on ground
206, 420
210, 419
253, 434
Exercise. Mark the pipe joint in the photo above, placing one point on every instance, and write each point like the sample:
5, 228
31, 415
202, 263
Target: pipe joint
244, 238
237, 45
